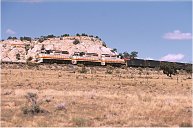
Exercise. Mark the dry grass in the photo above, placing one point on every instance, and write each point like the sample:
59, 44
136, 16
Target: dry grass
123, 98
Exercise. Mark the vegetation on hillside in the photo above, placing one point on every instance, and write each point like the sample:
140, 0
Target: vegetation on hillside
13, 38
26, 38
131, 55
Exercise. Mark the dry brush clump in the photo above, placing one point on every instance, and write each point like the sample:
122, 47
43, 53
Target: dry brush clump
81, 122
140, 71
83, 69
33, 106
109, 69
185, 124
61, 106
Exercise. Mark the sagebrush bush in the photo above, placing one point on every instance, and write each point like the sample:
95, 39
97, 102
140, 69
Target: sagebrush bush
109, 70
61, 106
83, 69
33, 106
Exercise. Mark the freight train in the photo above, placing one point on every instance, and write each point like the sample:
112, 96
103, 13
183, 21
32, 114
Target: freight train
153, 63
54, 56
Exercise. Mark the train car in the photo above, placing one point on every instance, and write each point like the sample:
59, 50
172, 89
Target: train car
85, 58
95, 59
152, 63
107, 59
180, 65
136, 63
53, 56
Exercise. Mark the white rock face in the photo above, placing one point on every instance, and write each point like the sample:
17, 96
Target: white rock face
11, 48
13, 51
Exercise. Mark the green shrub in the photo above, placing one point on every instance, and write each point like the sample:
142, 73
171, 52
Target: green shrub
169, 68
12, 38
77, 34
21, 38
41, 40
114, 50
104, 44
50, 36
83, 34
65, 35
27, 38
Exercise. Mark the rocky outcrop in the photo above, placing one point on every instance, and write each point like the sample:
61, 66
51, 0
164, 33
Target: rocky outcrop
19, 51
13, 51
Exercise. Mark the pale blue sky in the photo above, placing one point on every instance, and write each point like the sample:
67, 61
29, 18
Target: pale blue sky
127, 26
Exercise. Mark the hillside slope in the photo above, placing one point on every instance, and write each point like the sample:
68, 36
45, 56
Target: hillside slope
18, 51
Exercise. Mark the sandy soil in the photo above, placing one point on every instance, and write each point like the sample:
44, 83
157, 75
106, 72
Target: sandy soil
95, 98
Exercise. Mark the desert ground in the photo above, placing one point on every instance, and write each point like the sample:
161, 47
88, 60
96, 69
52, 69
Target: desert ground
94, 96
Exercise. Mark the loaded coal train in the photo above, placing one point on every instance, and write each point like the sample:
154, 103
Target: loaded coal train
153, 63
53, 56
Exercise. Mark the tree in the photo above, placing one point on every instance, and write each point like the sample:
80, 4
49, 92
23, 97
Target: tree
77, 34
9, 38
51, 36
169, 68
21, 38
126, 55
114, 50
83, 34
12, 38
65, 35
41, 40
133, 54
104, 44
27, 38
